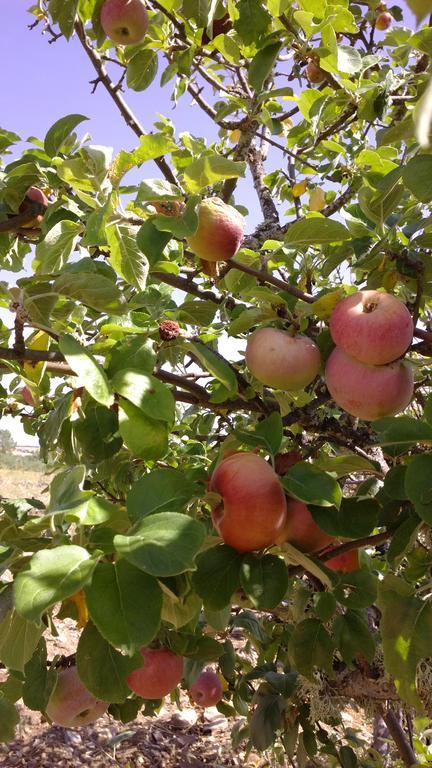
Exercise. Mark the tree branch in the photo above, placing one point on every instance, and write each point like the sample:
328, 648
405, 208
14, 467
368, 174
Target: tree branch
404, 748
267, 204
265, 277
123, 108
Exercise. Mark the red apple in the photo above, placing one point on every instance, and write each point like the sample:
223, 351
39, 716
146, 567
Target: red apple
220, 231
160, 674
283, 461
27, 396
372, 326
301, 530
71, 704
383, 21
253, 508
282, 361
314, 73
207, 689
125, 22
346, 562
35, 195
369, 392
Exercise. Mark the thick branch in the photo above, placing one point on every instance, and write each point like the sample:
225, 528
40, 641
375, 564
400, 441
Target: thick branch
123, 108
403, 746
256, 166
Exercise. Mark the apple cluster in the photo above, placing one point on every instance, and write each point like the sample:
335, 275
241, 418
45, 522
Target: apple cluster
365, 374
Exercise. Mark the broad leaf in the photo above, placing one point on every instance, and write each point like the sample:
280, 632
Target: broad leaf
60, 131
265, 580
217, 576
145, 437
311, 646
316, 230
313, 486
162, 490
102, 669
126, 257
91, 373
354, 518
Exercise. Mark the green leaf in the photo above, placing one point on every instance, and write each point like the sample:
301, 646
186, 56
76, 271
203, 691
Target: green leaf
217, 576
53, 574
142, 70
63, 13
353, 637
147, 393
102, 669
406, 627
268, 433
311, 646
418, 485
59, 132
348, 59
90, 372
214, 364
316, 230
402, 430
262, 64
417, 175
135, 353
125, 605
344, 465
152, 190
162, 490
420, 8
97, 435
313, 486
356, 590
348, 758
209, 169
58, 244
145, 437
18, 640
266, 720
91, 289
9, 719
39, 680
253, 21
151, 241
153, 145
163, 544
354, 519
126, 257
199, 313
265, 580
66, 491
183, 225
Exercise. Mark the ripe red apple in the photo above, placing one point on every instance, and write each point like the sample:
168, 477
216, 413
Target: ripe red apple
35, 195
369, 392
301, 530
71, 704
253, 508
372, 326
314, 73
346, 562
160, 674
27, 396
219, 233
282, 361
207, 689
125, 22
383, 21
220, 27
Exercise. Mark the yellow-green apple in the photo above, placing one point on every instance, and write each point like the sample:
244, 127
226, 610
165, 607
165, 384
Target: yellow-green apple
125, 22
252, 511
280, 360
220, 231
301, 530
160, 674
383, 21
33, 195
314, 73
71, 704
369, 392
207, 689
372, 326
346, 562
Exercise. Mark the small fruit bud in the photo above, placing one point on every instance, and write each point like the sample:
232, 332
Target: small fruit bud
383, 21
169, 330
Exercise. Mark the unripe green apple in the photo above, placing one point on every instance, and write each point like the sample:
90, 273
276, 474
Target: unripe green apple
220, 231
282, 361
253, 508
372, 326
384, 21
301, 530
71, 704
369, 392
160, 674
125, 22
207, 689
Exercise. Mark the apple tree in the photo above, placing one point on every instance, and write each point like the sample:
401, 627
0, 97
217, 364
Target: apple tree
237, 418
